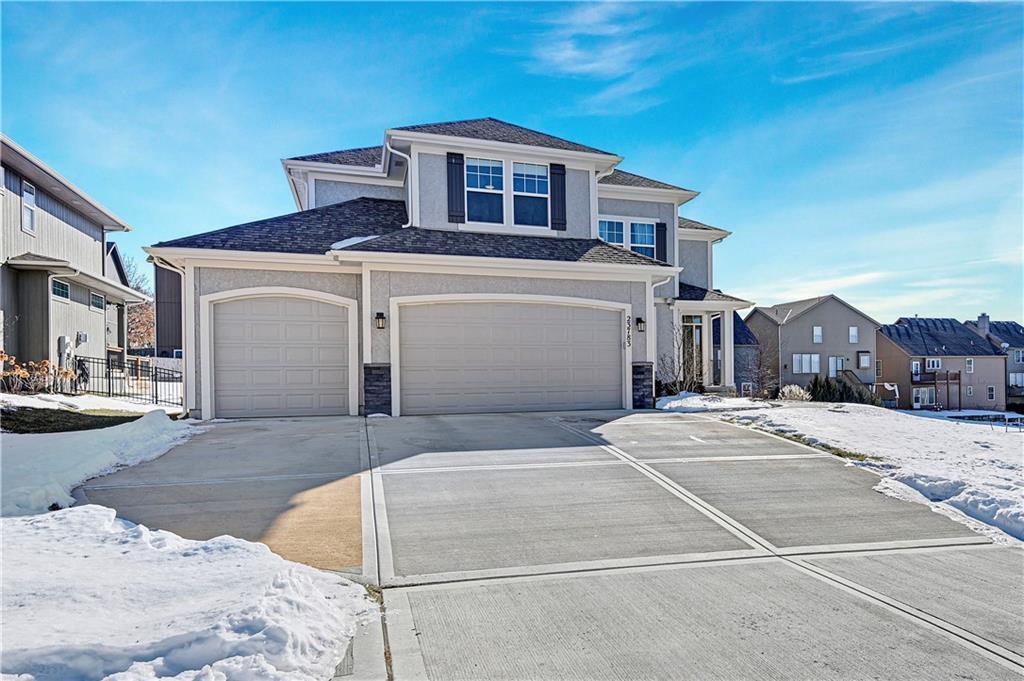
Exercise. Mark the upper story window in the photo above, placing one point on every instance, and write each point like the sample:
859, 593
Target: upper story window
611, 231
1018, 356
28, 207
816, 334
932, 363
969, 365
97, 302
641, 238
636, 235
61, 289
485, 189
530, 194
854, 334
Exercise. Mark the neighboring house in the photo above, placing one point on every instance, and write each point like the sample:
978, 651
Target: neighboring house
749, 371
167, 289
823, 336
1008, 338
64, 290
469, 266
939, 362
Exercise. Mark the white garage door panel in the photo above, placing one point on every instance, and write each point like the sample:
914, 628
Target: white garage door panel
280, 356
488, 356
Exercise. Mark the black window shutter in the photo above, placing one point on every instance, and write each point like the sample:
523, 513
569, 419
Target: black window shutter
456, 188
661, 241
558, 197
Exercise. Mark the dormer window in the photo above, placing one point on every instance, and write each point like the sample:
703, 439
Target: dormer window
637, 235
530, 194
485, 188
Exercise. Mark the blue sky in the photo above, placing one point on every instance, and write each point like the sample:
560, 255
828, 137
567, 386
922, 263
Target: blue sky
870, 150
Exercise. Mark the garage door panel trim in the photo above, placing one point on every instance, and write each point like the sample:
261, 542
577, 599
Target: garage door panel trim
398, 302
208, 301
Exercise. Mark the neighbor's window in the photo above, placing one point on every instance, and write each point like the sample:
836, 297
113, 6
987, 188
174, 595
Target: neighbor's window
932, 363
878, 368
61, 289
530, 194
1018, 356
806, 363
485, 190
969, 365
970, 391
816, 334
97, 302
991, 392
863, 360
854, 334
611, 231
641, 238
28, 207
1017, 379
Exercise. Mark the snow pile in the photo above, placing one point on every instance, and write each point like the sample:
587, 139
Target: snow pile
38, 470
695, 402
976, 468
86, 595
80, 402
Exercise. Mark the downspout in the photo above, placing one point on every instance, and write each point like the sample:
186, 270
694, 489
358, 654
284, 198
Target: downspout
408, 175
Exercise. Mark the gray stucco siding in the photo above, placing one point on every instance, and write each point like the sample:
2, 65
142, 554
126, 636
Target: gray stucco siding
327, 192
693, 258
835, 320
650, 210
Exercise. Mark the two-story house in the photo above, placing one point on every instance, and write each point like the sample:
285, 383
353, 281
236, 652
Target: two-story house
823, 336
64, 293
469, 266
1008, 338
928, 362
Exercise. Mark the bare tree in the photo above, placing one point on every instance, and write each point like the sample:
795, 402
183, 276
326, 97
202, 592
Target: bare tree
141, 317
680, 369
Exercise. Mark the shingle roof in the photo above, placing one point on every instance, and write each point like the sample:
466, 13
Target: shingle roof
309, 231
623, 179
499, 131
366, 157
1011, 333
691, 292
687, 223
784, 312
934, 337
422, 241
741, 333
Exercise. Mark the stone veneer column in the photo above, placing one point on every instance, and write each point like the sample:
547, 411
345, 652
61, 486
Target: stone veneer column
643, 385
377, 389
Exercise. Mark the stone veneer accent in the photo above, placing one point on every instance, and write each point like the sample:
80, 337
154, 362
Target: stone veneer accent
377, 389
643, 385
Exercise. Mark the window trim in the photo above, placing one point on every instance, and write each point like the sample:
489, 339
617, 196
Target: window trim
813, 358
546, 197
33, 208
101, 297
991, 389
500, 192
970, 391
932, 363
55, 296
853, 334
817, 335
878, 368
863, 359
627, 232
969, 365
1018, 356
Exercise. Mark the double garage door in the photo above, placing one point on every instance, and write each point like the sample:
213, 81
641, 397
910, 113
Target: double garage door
290, 356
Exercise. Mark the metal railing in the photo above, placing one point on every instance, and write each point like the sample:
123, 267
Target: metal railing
134, 379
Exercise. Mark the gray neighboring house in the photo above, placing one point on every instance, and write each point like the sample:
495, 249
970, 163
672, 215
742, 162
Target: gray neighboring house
1008, 338
823, 336
467, 266
64, 289
747, 354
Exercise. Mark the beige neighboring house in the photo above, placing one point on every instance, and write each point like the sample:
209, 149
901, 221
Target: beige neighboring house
823, 336
1008, 338
926, 363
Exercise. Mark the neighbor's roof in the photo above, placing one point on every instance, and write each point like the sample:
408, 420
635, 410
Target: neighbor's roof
1011, 333
931, 337
697, 293
366, 157
493, 130
623, 179
787, 312
417, 240
309, 231
741, 333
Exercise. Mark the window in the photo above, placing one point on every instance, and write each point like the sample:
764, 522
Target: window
816, 334
991, 392
878, 368
1017, 379
611, 231
806, 363
915, 367
969, 365
1018, 356
177, 353
485, 188
932, 363
970, 391
854, 334
746, 388
61, 289
28, 208
863, 360
530, 194
641, 238
97, 302
924, 397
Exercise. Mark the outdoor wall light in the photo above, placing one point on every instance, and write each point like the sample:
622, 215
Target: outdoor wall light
380, 320
641, 325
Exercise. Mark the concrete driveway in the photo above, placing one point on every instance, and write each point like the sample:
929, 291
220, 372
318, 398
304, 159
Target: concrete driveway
601, 546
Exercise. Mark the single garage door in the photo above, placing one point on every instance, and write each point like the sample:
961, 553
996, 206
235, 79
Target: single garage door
280, 356
486, 356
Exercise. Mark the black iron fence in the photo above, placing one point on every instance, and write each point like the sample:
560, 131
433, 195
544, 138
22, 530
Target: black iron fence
136, 378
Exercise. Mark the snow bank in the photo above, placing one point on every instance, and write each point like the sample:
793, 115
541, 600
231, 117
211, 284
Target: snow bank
38, 470
976, 468
80, 402
695, 402
88, 596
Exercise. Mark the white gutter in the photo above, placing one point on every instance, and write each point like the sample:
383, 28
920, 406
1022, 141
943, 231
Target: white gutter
408, 177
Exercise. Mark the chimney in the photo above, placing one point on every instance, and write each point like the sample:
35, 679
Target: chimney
983, 324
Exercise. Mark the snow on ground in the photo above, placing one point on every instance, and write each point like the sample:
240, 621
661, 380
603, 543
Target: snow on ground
89, 596
38, 470
80, 402
695, 402
976, 468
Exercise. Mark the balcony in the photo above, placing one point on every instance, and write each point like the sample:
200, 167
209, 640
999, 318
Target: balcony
1015, 391
933, 377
